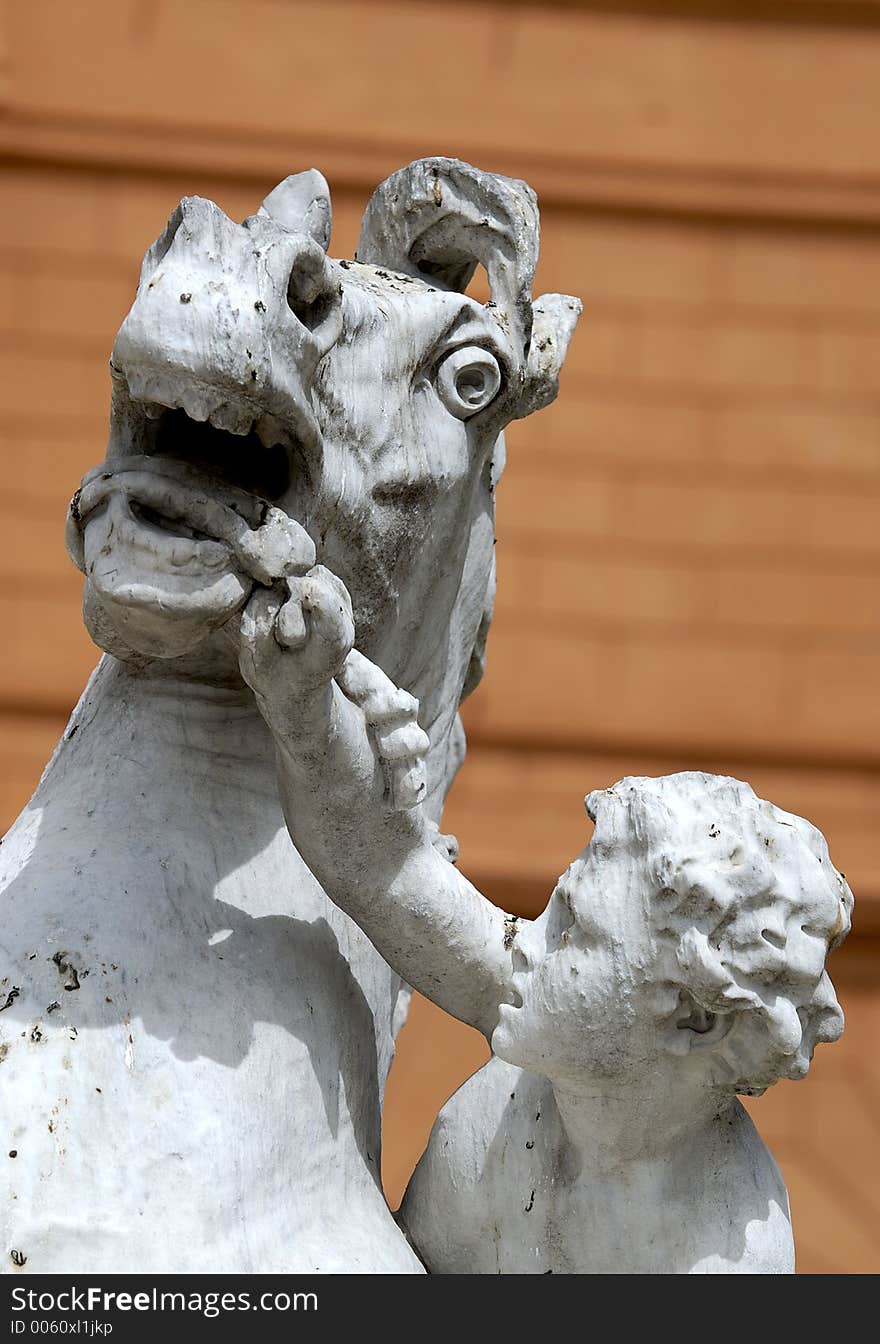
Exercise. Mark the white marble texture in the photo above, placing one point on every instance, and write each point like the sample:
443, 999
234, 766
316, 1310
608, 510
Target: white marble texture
193, 1040
680, 961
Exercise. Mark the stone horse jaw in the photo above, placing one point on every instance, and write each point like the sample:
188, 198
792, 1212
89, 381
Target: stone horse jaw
211, 423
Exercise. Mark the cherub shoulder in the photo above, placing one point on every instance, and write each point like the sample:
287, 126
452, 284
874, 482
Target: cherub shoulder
481, 1150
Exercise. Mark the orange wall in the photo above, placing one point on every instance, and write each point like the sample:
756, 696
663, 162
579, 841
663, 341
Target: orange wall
688, 546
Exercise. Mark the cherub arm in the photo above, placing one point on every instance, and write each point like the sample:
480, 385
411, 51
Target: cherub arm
372, 853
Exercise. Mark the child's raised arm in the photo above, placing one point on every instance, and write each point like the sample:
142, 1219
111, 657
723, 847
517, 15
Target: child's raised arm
348, 770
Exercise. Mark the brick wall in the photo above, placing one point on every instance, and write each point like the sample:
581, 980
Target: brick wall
688, 546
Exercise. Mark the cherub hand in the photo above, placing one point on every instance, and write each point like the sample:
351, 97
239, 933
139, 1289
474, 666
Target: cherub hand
392, 717
293, 640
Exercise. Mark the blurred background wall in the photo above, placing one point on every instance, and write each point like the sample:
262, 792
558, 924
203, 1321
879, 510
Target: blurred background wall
688, 541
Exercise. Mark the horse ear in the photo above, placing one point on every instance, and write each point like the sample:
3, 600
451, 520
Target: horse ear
555, 317
301, 203
438, 219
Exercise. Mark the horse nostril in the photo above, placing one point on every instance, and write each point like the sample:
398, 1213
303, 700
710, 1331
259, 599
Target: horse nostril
313, 291
311, 313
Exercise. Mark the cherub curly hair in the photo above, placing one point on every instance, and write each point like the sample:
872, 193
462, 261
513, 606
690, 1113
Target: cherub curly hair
745, 905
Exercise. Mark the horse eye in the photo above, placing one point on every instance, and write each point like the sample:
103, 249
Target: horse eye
467, 380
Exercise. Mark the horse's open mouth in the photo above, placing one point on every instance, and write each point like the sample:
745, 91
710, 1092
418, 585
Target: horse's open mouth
224, 435
194, 476
243, 461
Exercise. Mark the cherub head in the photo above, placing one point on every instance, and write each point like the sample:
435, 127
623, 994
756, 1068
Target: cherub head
691, 934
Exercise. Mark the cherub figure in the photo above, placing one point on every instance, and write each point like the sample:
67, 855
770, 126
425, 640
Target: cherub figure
680, 960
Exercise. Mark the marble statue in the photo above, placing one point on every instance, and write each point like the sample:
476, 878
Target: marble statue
194, 1040
197, 1016
680, 961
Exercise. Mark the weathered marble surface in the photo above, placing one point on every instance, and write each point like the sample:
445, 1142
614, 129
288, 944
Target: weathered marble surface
679, 962
194, 1039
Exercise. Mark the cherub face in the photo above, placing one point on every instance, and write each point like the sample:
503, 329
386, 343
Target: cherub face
584, 976
697, 923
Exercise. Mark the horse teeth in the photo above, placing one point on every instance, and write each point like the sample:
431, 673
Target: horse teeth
137, 383
154, 409
155, 389
194, 402
234, 419
271, 431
